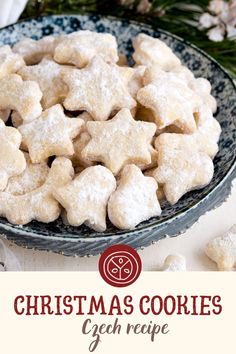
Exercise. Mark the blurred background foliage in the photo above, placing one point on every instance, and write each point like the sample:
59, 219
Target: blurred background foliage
179, 17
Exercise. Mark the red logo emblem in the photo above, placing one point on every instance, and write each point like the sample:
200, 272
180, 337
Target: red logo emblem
120, 265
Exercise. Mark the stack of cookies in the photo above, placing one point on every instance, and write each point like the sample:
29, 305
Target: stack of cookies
85, 134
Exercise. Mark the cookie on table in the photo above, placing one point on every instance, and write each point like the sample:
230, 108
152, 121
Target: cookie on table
222, 250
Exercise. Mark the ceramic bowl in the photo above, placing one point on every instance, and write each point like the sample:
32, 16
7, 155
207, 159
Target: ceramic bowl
82, 241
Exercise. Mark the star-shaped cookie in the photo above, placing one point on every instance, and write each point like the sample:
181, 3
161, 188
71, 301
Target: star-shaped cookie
51, 134
85, 198
171, 101
39, 204
48, 75
135, 199
12, 161
98, 89
120, 141
79, 48
9, 62
181, 166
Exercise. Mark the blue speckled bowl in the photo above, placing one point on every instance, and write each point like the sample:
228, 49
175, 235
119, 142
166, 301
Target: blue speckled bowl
174, 220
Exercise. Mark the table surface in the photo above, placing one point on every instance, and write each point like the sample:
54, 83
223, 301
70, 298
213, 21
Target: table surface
191, 244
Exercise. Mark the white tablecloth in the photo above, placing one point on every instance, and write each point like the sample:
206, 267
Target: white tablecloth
190, 244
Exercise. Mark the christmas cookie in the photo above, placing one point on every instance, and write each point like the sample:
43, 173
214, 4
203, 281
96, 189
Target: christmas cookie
98, 89
12, 161
79, 48
135, 199
85, 198
38, 204
21, 96
119, 141
51, 134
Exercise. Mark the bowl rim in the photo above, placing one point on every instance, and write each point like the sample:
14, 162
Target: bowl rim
18, 229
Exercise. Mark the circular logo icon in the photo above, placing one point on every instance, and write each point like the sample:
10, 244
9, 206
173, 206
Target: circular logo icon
120, 265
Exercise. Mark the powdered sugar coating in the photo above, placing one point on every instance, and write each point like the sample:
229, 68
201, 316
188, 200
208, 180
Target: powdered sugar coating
208, 131
134, 200
12, 161
21, 96
85, 198
48, 75
151, 51
202, 87
119, 141
51, 134
9, 62
79, 48
181, 166
38, 204
33, 51
222, 250
174, 263
30, 179
98, 89
170, 99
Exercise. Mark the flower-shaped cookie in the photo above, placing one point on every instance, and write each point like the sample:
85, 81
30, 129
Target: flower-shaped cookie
10, 62
120, 141
48, 75
135, 199
181, 166
21, 96
170, 99
98, 89
51, 134
85, 198
38, 204
31, 178
222, 250
12, 161
79, 48
33, 51
151, 51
